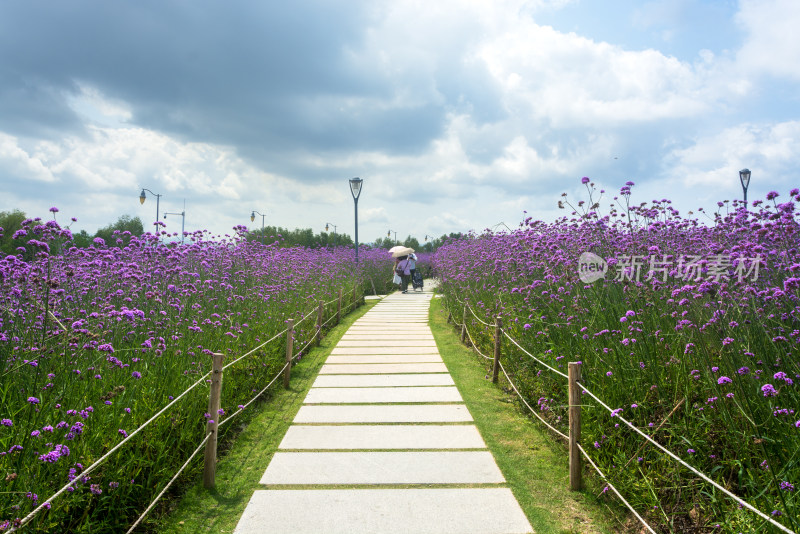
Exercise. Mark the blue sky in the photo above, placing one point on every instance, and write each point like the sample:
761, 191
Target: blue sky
458, 115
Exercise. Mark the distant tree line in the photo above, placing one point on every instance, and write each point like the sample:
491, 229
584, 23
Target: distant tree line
12, 221
429, 245
119, 233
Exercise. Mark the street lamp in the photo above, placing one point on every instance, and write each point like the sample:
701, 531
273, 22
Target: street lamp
355, 189
253, 218
389, 233
327, 225
183, 219
744, 177
143, 197
427, 236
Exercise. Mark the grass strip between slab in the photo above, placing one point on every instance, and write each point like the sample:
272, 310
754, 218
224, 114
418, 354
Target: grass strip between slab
239, 471
534, 464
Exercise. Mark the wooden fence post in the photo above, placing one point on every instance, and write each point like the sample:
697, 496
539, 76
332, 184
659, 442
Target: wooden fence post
287, 373
575, 471
339, 307
464, 322
498, 330
215, 391
319, 322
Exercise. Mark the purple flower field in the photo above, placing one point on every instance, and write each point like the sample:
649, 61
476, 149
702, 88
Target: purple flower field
688, 328
96, 341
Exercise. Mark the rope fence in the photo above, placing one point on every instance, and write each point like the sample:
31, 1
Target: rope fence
209, 442
575, 389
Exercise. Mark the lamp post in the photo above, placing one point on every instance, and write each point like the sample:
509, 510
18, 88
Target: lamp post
183, 219
143, 197
355, 189
744, 177
253, 218
327, 225
389, 233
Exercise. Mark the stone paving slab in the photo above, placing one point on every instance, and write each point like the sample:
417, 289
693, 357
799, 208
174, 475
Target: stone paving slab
321, 437
395, 315
381, 368
445, 467
386, 343
383, 395
360, 381
385, 350
408, 413
378, 337
384, 511
389, 328
384, 358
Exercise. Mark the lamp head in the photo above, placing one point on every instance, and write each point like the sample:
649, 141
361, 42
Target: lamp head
252, 216
326, 227
744, 177
142, 197
389, 233
355, 187
165, 216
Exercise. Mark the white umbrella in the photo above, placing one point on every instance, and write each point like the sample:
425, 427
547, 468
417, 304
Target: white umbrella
396, 248
402, 251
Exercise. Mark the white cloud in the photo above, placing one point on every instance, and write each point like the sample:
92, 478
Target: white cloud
15, 161
771, 151
773, 42
93, 105
568, 80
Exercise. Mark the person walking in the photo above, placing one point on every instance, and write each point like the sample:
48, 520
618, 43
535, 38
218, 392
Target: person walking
397, 275
403, 270
412, 268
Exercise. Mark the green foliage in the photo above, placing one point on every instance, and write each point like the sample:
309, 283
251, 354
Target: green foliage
411, 242
303, 237
10, 222
82, 239
126, 227
384, 243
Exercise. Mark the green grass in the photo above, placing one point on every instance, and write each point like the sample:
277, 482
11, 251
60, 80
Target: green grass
534, 463
239, 471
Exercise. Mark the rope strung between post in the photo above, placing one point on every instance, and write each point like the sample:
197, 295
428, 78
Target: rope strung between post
739, 500
251, 401
514, 341
273, 338
331, 318
309, 314
103, 458
477, 318
475, 347
158, 497
303, 349
610, 485
529, 406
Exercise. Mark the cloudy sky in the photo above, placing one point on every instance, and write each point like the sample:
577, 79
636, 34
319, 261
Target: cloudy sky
457, 114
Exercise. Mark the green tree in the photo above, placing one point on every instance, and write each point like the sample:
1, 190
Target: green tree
10, 222
411, 242
303, 237
383, 242
132, 225
81, 239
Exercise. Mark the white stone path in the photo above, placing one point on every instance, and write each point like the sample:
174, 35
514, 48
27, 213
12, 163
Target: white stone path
384, 412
